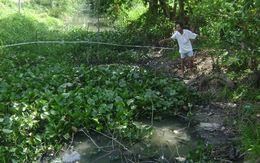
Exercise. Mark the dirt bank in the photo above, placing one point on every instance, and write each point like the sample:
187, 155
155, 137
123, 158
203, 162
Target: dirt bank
214, 122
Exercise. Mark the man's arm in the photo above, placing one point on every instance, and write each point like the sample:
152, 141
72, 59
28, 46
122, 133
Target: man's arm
193, 35
165, 40
205, 37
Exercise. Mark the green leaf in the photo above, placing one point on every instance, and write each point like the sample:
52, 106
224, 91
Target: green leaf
66, 95
139, 98
53, 112
130, 101
7, 131
149, 94
137, 125
91, 102
3, 87
118, 99
96, 120
66, 136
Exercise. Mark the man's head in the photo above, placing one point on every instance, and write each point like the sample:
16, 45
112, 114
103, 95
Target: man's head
179, 26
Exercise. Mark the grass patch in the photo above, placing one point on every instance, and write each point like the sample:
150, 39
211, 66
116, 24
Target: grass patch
250, 132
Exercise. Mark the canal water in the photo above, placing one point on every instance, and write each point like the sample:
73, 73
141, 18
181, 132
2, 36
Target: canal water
168, 141
85, 19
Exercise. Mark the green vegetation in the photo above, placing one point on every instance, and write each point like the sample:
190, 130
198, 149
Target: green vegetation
41, 101
250, 131
49, 91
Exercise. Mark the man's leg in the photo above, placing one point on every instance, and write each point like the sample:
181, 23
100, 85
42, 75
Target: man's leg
191, 65
182, 66
191, 57
183, 55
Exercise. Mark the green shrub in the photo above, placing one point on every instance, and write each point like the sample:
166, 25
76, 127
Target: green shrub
152, 29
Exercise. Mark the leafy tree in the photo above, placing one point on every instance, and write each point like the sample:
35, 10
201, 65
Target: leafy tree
231, 24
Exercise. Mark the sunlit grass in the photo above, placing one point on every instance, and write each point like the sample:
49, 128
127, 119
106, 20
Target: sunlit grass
251, 139
137, 10
130, 14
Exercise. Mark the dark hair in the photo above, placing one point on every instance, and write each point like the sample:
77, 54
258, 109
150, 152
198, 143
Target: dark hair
179, 23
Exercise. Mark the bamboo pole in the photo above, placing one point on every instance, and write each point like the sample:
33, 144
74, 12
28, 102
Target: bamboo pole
20, 5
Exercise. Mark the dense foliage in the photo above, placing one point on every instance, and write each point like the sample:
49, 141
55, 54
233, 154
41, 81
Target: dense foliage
48, 91
42, 100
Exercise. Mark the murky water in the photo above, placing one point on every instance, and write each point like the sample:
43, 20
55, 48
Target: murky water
169, 140
87, 23
85, 20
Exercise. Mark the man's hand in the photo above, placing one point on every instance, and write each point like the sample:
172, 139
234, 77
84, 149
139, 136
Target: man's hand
165, 40
204, 37
161, 41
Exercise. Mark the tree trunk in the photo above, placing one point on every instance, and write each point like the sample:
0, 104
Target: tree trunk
165, 8
153, 7
52, 4
173, 15
181, 5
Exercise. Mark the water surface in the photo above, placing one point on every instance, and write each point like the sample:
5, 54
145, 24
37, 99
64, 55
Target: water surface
169, 140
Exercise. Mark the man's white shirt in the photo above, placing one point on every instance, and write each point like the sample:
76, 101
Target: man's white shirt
184, 40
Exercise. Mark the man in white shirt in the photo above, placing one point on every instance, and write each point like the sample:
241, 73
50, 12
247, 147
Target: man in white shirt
183, 36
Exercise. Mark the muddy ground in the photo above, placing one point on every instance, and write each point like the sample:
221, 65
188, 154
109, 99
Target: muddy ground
214, 122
